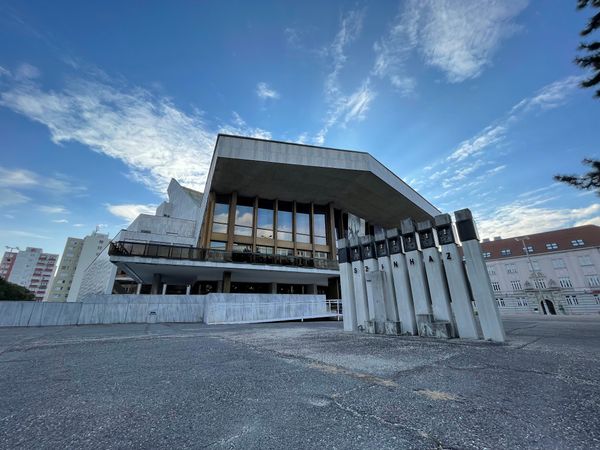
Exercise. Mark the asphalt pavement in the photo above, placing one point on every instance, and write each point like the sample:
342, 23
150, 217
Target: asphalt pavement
299, 385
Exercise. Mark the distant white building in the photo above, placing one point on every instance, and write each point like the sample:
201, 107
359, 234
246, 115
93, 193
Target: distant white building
556, 272
33, 269
77, 256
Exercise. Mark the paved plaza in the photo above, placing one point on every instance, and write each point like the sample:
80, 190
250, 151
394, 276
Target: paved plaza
299, 385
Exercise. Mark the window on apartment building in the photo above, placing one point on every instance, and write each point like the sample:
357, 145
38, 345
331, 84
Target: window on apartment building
516, 285
284, 221
597, 299
565, 282
221, 214
511, 268
505, 252
585, 260
491, 270
540, 283
244, 216
303, 223
487, 254
264, 219
320, 225
304, 253
593, 280
551, 246
571, 300
495, 286
528, 249
500, 302
321, 255
558, 263
577, 242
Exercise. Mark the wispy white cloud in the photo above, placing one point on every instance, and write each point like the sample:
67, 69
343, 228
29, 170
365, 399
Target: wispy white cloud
10, 197
457, 37
520, 218
60, 221
26, 179
53, 209
344, 108
27, 72
130, 211
265, 92
156, 140
22, 233
239, 126
78, 225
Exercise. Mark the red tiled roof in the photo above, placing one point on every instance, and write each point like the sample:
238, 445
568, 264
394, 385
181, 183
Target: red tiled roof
589, 234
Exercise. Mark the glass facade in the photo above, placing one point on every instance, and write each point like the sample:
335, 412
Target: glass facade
303, 223
271, 227
284, 221
244, 217
221, 215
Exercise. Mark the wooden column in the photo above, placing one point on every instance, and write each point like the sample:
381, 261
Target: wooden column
208, 220
231, 221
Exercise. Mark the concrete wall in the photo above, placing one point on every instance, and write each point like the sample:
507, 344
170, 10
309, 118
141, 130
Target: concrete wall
248, 308
212, 309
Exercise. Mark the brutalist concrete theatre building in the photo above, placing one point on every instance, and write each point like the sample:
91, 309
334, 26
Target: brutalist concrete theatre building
278, 221
270, 217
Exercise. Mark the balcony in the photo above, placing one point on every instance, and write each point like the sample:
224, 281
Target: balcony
145, 250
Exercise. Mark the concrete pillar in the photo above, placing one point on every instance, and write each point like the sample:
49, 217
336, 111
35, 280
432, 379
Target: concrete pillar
479, 279
384, 264
370, 265
273, 288
436, 277
164, 289
156, 280
138, 290
226, 282
188, 289
347, 284
462, 308
360, 289
376, 293
402, 291
416, 270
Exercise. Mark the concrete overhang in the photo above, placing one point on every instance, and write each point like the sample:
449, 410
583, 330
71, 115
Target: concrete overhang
186, 271
353, 181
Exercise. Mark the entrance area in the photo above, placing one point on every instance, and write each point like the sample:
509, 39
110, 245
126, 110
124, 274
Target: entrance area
548, 307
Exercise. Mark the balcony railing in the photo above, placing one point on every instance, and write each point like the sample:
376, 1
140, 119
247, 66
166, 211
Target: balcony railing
146, 250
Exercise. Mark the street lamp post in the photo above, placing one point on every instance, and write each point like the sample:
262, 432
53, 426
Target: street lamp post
535, 277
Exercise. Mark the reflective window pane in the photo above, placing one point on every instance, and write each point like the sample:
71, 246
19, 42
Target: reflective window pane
221, 213
262, 233
265, 218
243, 231
244, 215
284, 221
219, 227
320, 229
284, 236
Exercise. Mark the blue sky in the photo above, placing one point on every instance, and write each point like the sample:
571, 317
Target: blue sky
474, 103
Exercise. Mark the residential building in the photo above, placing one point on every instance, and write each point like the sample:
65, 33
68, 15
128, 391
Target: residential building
76, 257
268, 222
555, 272
8, 260
33, 269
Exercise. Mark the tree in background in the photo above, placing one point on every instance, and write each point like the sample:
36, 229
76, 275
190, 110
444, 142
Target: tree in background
587, 181
11, 291
591, 179
591, 58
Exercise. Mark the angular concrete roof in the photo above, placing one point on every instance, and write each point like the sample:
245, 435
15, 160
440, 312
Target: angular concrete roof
353, 181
